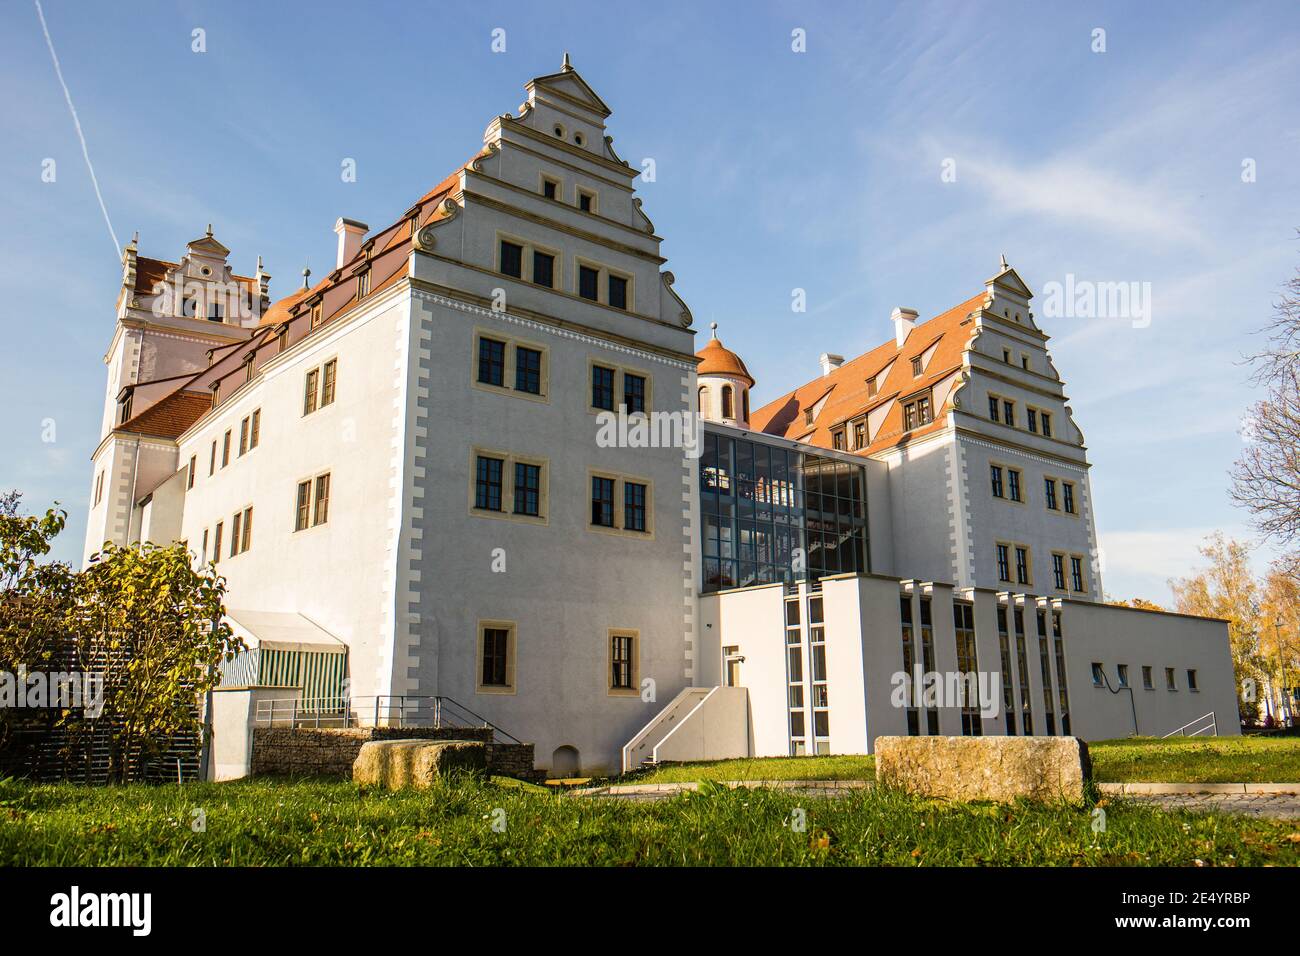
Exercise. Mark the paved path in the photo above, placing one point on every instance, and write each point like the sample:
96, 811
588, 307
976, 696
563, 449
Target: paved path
1275, 801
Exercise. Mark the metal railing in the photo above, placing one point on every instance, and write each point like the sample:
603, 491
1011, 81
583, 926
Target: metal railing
1213, 727
377, 711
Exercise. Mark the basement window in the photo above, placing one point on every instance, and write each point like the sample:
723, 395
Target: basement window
1098, 676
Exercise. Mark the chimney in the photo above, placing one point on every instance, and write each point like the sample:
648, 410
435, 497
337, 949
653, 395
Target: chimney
830, 363
904, 322
350, 233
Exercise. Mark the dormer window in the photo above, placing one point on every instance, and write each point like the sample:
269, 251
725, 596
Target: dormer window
124, 409
871, 388
808, 416
316, 315
363, 284
916, 367
839, 440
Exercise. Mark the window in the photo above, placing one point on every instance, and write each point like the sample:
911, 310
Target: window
528, 370
871, 387
255, 429
602, 501
859, 434
1047, 423
588, 283
328, 381
1004, 567
1024, 362
995, 475
235, 523
1031, 419
634, 495
602, 387
487, 483
246, 541
491, 361
282, 338
728, 402
311, 392
909, 663
586, 200
243, 437
190, 307
512, 259
203, 557
1013, 484
1009, 413
1098, 675
967, 665
617, 291
634, 392
1008, 687
1049, 493
316, 315
993, 408
550, 188
189, 481
1170, 682
1022, 566
216, 543
622, 660
309, 510
543, 269
808, 416
1006, 356
528, 488
839, 440
322, 505
99, 486
1121, 672
212, 460
225, 449
1191, 679
363, 284
496, 671
1148, 683
1067, 496
302, 511
1058, 571
917, 412
1076, 574
916, 367
621, 504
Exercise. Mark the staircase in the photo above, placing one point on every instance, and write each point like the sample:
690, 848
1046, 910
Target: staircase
639, 751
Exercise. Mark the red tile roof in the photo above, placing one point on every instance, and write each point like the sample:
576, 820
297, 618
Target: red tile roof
715, 359
846, 393
171, 416
149, 272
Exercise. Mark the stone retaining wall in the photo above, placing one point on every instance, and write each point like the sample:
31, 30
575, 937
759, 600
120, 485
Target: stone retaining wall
330, 752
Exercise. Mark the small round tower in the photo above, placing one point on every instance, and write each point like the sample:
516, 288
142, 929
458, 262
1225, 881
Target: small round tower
724, 384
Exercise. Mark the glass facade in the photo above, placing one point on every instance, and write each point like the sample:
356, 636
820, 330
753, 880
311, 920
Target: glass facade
772, 514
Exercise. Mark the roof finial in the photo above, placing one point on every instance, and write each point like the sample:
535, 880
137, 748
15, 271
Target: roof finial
714, 327
209, 230
567, 66
259, 263
306, 274
1005, 267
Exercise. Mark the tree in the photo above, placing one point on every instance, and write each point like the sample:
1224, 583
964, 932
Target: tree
1266, 478
1279, 639
1140, 603
1227, 589
154, 628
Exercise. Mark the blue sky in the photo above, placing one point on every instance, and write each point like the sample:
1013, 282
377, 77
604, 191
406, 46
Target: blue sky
775, 170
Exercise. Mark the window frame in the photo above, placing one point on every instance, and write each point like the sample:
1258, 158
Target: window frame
633, 689
510, 365
508, 462
510, 686
621, 481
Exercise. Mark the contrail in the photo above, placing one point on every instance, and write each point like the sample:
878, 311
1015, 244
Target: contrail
117, 248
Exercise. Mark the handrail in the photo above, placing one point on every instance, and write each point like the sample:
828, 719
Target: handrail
1181, 731
388, 710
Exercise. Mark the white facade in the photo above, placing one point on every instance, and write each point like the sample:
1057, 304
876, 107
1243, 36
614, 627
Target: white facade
415, 444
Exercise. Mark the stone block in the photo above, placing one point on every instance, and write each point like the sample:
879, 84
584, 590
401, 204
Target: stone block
985, 768
416, 763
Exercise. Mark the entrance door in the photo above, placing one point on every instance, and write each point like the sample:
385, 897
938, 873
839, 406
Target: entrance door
733, 672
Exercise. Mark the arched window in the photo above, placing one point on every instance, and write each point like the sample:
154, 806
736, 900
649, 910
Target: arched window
744, 404
727, 411
704, 400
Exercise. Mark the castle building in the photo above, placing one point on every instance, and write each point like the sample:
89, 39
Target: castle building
422, 479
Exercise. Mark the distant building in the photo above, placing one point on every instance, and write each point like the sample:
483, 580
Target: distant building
422, 480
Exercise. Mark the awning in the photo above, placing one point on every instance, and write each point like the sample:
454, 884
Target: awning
283, 631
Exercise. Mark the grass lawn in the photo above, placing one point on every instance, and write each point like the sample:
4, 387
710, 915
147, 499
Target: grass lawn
1140, 759
268, 822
